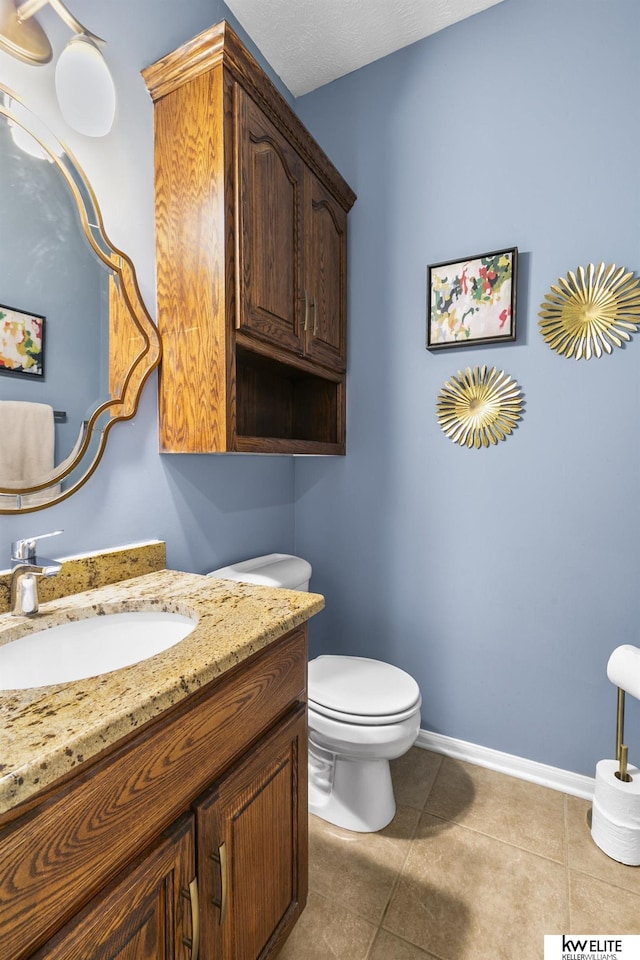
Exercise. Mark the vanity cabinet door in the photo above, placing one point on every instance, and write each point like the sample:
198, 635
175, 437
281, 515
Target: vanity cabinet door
325, 275
149, 912
252, 841
268, 210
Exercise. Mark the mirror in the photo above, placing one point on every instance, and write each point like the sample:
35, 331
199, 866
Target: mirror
76, 341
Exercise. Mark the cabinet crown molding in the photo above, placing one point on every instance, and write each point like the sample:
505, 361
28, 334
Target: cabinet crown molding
220, 45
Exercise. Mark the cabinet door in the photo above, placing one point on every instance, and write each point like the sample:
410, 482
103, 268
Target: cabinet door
268, 216
326, 276
252, 848
148, 913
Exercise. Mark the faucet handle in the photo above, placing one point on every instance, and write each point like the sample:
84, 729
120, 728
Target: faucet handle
26, 549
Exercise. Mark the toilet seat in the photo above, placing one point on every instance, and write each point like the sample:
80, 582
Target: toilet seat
358, 690
363, 720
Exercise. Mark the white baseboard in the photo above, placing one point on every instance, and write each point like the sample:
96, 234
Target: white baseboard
564, 780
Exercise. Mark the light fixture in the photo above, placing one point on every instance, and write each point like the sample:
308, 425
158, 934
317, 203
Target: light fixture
84, 86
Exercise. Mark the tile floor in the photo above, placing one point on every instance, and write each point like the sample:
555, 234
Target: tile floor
476, 865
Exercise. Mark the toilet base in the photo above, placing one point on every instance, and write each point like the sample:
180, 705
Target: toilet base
354, 794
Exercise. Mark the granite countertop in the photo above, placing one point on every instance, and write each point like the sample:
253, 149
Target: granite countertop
49, 731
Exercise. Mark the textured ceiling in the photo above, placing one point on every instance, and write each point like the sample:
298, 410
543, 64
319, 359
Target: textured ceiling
312, 42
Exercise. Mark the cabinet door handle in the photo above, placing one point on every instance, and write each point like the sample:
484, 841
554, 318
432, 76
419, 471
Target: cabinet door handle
221, 858
306, 311
315, 317
192, 895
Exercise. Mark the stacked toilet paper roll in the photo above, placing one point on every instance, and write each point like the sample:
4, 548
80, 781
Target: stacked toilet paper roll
615, 818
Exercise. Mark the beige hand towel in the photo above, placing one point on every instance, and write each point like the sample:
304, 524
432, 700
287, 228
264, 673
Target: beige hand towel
27, 442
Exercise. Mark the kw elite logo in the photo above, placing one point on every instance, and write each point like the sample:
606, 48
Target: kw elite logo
579, 947
603, 948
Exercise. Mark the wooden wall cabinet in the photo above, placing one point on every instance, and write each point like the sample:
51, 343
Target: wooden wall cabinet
251, 232
188, 839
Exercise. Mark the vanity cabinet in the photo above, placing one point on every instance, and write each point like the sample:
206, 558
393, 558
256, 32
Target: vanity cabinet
251, 236
211, 795
147, 914
248, 829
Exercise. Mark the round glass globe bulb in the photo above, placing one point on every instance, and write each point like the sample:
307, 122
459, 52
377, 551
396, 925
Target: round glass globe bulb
85, 89
27, 131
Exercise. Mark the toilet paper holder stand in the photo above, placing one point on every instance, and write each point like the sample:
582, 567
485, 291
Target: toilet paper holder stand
615, 812
622, 750
623, 670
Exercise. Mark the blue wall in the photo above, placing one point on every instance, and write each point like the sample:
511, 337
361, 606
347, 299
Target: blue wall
501, 578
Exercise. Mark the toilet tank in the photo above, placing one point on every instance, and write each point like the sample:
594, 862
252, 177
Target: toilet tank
272, 570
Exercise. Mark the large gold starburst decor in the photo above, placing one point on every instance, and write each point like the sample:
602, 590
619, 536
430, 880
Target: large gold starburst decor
591, 311
479, 407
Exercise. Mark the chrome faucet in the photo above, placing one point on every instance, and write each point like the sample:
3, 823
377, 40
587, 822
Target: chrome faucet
26, 568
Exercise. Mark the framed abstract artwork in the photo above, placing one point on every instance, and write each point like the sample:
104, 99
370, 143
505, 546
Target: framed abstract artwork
21, 343
473, 300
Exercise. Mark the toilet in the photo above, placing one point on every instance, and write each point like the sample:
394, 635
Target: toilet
362, 714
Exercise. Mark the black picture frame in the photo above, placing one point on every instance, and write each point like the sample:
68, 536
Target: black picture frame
22, 339
472, 301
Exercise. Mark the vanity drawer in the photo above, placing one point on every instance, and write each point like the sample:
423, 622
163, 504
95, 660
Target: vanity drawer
63, 850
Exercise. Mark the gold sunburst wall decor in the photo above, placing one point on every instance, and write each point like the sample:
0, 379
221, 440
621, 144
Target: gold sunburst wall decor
479, 407
591, 311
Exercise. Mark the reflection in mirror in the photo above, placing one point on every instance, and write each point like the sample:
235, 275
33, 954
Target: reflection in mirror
76, 342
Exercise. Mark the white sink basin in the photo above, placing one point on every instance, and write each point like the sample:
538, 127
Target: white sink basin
89, 647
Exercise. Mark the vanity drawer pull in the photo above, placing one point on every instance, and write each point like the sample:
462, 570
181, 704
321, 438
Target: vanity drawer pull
192, 896
221, 858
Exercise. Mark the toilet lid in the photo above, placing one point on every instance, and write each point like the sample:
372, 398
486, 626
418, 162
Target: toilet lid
357, 689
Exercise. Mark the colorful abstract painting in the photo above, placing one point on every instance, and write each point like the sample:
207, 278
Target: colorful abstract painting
472, 301
21, 342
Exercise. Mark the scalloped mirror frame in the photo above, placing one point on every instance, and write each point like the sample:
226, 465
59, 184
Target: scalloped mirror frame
126, 306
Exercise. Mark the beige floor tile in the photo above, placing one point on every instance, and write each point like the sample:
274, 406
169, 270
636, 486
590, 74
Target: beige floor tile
413, 776
359, 870
388, 947
584, 855
326, 931
465, 896
509, 809
598, 907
